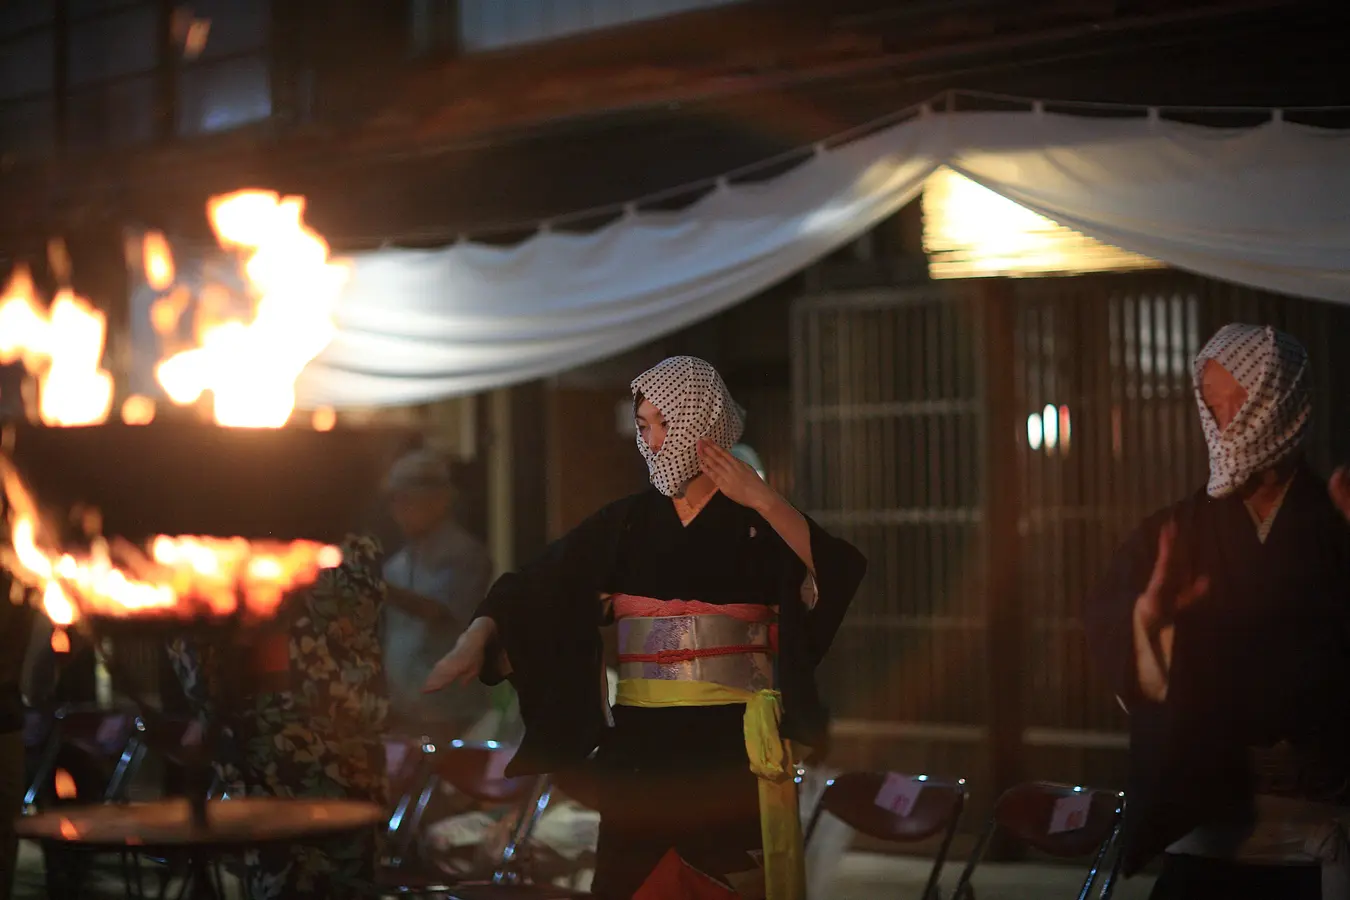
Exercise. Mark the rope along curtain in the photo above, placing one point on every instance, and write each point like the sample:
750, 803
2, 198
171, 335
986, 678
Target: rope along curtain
1262, 206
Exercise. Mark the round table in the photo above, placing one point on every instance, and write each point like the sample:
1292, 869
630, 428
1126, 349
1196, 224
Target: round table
169, 827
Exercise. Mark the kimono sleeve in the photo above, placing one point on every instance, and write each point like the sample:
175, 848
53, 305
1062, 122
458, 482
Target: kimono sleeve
840, 568
556, 594
548, 616
575, 562
805, 633
813, 604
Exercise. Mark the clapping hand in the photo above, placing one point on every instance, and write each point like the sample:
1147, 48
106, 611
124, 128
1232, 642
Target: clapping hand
1162, 599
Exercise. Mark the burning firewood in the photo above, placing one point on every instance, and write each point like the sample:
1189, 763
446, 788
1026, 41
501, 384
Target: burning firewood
245, 359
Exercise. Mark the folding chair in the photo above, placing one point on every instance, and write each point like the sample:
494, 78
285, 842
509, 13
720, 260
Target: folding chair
106, 737
1060, 820
541, 863
902, 809
165, 741
410, 775
473, 769
88, 739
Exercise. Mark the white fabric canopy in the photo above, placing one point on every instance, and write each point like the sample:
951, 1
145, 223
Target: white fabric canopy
1264, 206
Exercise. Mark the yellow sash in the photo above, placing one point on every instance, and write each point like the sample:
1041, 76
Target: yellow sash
770, 760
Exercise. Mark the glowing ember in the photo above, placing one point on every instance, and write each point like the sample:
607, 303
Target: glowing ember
157, 261
60, 641
324, 419
138, 410
166, 311
65, 785
62, 346
250, 367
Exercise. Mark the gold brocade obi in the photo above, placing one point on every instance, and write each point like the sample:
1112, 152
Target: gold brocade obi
713, 649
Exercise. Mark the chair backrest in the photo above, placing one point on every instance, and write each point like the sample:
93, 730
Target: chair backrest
164, 735
37, 725
402, 761
101, 732
415, 765
1066, 821
1060, 820
108, 738
478, 771
893, 807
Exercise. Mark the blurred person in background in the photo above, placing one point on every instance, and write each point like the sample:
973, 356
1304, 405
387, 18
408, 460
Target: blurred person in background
434, 584
308, 724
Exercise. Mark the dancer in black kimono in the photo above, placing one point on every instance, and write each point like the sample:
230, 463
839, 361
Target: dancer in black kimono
726, 599
1225, 623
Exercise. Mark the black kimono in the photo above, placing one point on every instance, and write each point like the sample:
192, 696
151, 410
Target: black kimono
669, 777
1262, 660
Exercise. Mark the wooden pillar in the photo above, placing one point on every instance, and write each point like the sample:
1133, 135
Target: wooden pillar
529, 449
287, 59
166, 74
501, 504
61, 71
517, 475
1005, 628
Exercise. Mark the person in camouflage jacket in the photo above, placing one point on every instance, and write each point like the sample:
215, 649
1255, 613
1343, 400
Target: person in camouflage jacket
320, 735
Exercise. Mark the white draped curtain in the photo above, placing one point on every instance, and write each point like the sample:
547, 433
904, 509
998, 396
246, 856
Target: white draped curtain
1266, 206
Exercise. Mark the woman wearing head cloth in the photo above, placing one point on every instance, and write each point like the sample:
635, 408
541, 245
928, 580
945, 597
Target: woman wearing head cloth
1224, 623
726, 599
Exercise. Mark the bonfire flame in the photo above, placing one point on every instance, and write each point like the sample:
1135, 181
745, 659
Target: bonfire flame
250, 368
248, 362
179, 576
62, 346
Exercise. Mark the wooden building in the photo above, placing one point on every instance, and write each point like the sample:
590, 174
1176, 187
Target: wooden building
912, 414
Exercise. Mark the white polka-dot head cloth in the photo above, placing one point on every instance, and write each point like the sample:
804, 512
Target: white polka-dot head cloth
1273, 422
696, 405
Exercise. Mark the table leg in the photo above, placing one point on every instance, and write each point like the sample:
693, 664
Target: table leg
201, 881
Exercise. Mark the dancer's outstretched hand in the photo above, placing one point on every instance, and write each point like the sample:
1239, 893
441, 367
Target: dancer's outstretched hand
465, 661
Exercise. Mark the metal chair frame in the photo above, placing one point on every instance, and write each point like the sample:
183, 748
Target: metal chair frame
128, 760
948, 831
1104, 848
405, 821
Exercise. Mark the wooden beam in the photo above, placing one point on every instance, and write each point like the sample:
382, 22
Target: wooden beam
793, 107
61, 70
669, 62
166, 73
1005, 629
